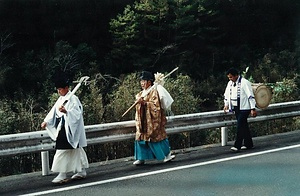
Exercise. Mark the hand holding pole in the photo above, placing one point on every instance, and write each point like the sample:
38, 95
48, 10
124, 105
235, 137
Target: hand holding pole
154, 86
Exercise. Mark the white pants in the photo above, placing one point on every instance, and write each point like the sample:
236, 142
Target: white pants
70, 160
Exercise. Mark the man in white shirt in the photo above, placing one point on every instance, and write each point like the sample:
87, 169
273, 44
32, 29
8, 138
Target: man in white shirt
239, 98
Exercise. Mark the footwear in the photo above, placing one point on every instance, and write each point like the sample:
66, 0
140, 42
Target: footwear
60, 179
234, 149
246, 148
139, 162
79, 176
169, 157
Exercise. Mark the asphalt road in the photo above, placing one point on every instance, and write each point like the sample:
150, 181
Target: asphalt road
271, 168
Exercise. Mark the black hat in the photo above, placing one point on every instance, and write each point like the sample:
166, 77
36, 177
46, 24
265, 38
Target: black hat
146, 75
61, 79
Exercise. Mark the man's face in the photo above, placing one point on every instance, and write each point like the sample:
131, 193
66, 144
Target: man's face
145, 84
232, 77
62, 91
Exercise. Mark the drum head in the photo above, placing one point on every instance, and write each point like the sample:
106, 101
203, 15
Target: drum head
263, 96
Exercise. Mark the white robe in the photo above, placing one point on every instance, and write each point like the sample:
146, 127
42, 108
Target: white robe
72, 160
74, 124
69, 159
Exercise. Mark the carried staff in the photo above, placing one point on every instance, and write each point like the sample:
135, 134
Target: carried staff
81, 80
158, 80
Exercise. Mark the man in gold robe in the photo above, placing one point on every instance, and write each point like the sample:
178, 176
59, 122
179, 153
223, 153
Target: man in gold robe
151, 140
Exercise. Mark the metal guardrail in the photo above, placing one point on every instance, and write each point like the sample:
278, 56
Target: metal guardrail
39, 141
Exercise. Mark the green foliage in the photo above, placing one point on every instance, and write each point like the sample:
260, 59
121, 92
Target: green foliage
7, 118
52, 99
286, 90
19, 116
92, 101
163, 33
122, 98
70, 59
27, 116
211, 91
124, 28
273, 67
6, 43
279, 71
182, 89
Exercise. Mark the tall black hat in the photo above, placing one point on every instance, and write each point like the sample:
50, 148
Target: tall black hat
146, 75
61, 79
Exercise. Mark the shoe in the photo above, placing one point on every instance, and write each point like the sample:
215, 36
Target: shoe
79, 176
246, 148
139, 162
60, 179
234, 149
169, 158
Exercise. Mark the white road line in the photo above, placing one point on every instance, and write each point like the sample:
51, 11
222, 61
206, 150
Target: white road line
160, 171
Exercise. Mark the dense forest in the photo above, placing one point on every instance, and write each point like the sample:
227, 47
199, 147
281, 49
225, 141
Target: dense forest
111, 41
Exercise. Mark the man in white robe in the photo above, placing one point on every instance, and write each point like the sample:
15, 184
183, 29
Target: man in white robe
65, 125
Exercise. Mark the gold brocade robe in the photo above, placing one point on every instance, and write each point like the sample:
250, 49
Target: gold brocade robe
150, 119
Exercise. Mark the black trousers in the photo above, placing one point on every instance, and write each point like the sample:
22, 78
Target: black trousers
243, 134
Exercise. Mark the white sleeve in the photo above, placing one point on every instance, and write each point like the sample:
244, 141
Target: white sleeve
50, 119
227, 95
250, 94
73, 120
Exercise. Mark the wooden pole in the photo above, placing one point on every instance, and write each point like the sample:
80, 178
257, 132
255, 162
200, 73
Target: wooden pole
147, 92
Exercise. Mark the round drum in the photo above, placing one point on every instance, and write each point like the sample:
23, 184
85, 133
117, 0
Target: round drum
262, 94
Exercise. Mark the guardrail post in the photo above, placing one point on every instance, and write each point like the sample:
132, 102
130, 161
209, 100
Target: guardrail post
45, 163
224, 136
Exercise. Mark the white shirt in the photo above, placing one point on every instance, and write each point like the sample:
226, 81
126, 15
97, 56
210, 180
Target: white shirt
247, 100
233, 98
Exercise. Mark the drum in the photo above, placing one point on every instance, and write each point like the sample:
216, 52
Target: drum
262, 94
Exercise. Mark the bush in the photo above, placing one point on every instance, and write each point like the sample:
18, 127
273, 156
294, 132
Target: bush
286, 90
121, 98
7, 118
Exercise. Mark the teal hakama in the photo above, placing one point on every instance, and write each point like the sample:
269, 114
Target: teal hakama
151, 150
151, 140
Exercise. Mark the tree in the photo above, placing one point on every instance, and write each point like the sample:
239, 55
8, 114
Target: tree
124, 31
165, 33
5, 43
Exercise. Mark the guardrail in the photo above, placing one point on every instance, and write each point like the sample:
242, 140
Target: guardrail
39, 141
